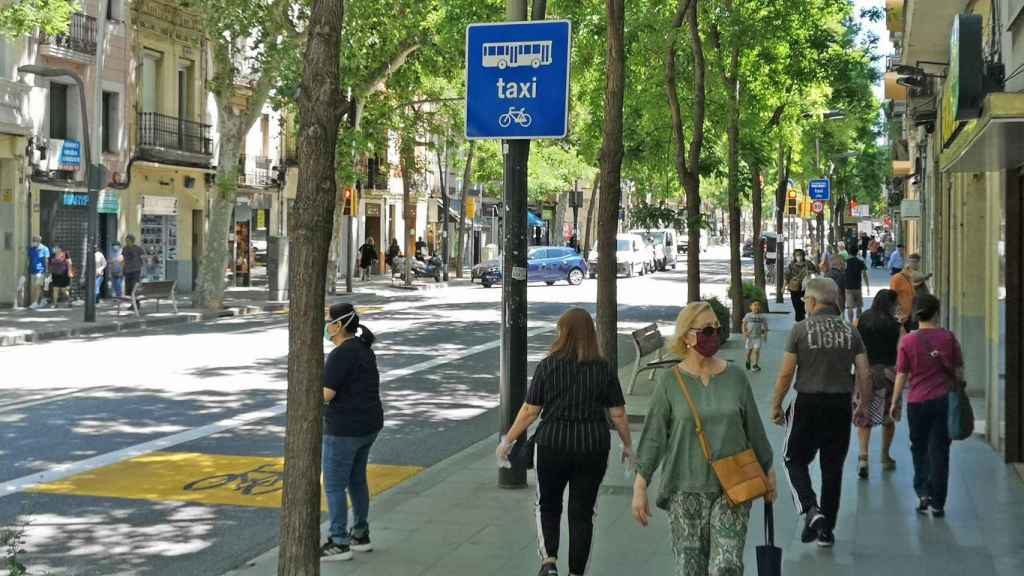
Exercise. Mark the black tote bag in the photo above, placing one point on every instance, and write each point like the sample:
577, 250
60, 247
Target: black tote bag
769, 556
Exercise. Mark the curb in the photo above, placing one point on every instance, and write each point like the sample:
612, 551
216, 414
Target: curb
34, 337
390, 499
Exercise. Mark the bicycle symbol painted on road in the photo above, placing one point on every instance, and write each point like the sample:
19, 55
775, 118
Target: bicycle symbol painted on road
263, 479
519, 116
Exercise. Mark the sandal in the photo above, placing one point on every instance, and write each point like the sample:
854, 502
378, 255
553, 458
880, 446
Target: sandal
862, 467
888, 463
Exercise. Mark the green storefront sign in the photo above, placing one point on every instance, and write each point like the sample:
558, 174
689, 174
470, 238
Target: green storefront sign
109, 202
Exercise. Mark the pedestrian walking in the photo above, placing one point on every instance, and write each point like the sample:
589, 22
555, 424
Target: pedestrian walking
134, 260
115, 268
575, 390
38, 264
708, 531
875, 248
903, 284
835, 272
367, 257
927, 362
896, 260
755, 332
799, 270
820, 352
392, 255
61, 274
353, 417
101, 267
855, 281
880, 331
865, 242
421, 249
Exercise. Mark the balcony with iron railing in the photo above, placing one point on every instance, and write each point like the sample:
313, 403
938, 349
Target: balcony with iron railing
168, 138
78, 43
256, 171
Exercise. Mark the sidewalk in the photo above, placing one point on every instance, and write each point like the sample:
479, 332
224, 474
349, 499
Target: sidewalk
21, 326
452, 520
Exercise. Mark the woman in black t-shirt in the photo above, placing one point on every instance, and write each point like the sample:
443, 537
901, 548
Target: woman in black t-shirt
576, 390
353, 416
880, 331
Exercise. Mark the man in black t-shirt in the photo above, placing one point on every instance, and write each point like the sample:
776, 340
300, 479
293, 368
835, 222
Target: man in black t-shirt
854, 277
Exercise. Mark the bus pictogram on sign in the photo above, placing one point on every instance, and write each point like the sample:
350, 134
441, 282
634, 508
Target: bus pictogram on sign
514, 54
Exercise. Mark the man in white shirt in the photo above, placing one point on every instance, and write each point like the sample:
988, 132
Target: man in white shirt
101, 267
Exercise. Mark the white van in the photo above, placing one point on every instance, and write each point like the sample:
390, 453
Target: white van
664, 242
630, 256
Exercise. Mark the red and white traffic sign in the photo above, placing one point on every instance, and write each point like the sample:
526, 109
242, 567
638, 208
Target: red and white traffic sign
817, 206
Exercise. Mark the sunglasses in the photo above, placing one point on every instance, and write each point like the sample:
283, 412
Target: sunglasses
706, 331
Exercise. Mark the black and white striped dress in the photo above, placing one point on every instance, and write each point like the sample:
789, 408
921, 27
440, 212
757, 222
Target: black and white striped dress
575, 398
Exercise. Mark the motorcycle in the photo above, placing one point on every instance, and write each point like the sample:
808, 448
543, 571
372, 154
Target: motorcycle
431, 268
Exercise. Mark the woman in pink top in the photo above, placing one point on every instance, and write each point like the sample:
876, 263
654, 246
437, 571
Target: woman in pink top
929, 358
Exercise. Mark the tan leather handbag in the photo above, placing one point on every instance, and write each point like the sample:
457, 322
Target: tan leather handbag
740, 475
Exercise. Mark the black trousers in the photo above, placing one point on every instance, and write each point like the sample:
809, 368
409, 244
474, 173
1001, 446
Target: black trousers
797, 296
583, 473
818, 424
929, 445
130, 280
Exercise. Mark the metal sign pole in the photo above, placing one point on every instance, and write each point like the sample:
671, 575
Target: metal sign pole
513, 325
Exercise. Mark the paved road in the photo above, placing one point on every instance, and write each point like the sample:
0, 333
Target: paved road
206, 400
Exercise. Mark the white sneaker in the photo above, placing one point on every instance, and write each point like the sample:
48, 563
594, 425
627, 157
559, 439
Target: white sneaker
35, 306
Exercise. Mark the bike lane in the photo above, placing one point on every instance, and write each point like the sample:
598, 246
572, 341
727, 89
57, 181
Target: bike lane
137, 508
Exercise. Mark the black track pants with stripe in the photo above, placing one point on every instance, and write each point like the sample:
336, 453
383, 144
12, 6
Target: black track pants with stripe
583, 473
818, 423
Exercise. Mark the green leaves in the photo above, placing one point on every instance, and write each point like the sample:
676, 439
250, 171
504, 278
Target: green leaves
21, 17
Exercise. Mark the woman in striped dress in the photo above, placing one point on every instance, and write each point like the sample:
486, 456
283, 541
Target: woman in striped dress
574, 389
880, 331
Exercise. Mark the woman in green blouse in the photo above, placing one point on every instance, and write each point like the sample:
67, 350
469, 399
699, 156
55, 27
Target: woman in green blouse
708, 533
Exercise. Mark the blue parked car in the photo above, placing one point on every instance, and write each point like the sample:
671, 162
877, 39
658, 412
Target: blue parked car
545, 264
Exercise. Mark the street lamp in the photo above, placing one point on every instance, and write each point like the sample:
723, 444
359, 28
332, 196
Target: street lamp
827, 115
92, 176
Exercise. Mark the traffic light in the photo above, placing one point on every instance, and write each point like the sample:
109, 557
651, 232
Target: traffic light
805, 208
346, 201
791, 207
349, 202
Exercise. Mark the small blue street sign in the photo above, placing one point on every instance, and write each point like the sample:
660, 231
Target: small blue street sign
819, 190
71, 153
517, 80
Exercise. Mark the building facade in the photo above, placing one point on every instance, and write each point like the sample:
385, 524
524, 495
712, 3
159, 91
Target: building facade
957, 116
44, 167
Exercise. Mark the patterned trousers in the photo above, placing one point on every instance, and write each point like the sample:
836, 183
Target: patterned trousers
708, 534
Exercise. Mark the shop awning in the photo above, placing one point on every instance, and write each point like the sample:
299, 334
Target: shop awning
992, 142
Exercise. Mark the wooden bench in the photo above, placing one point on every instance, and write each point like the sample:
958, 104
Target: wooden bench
647, 341
155, 290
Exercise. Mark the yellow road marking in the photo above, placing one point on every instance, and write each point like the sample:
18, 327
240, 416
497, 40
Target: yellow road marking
206, 478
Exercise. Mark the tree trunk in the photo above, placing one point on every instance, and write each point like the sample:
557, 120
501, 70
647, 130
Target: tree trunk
735, 230
688, 170
208, 293
313, 215
757, 199
467, 173
335, 257
611, 182
408, 161
730, 77
590, 216
785, 155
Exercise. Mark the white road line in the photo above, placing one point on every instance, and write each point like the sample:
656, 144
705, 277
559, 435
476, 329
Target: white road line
25, 403
63, 471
